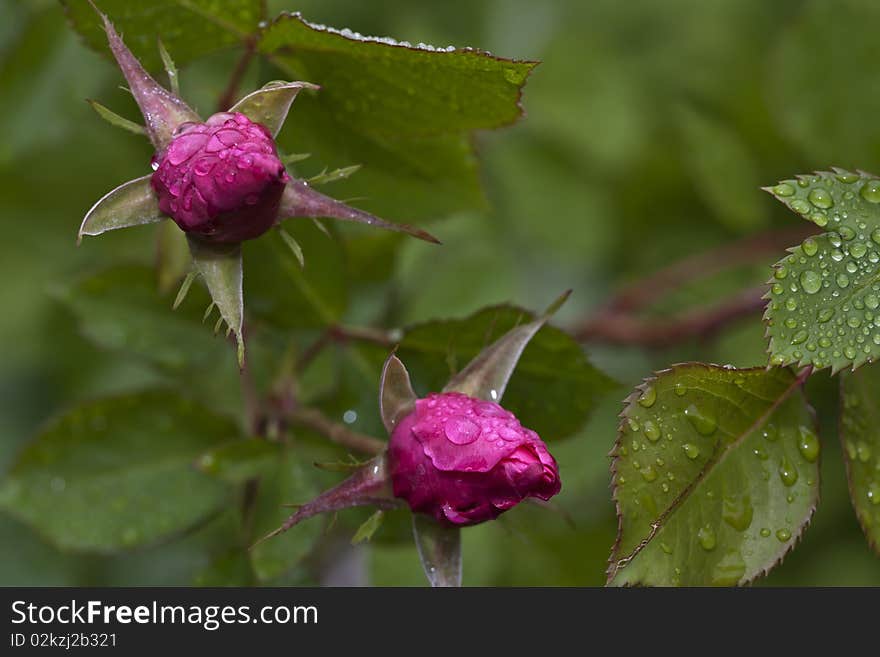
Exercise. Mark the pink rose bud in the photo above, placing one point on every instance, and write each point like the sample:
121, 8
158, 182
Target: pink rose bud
220, 180
465, 460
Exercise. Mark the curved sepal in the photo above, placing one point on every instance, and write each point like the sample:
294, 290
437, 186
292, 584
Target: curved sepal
131, 204
369, 485
300, 200
270, 104
220, 267
439, 550
396, 396
162, 110
486, 376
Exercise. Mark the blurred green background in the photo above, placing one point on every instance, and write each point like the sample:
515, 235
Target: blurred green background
650, 126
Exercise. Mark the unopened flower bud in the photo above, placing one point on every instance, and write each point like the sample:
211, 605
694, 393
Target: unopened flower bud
222, 179
464, 460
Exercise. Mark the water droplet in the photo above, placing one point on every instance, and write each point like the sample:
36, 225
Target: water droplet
825, 314
680, 389
770, 433
801, 207
666, 547
648, 397
633, 425
706, 537
871, 191
791, 304
652, 431
765, 532
858, 250
842, 280
737, 512
799, 337
461, 430
691, 451
850, 352
810, 281
875, 235
821, 198
787, 472
808, 444
702, 421
780, 272
863, 451
873, 493
783, 189
783, 535
649, 474
810, 247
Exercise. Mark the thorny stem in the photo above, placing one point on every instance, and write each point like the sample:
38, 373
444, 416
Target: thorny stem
337, 433
228, 97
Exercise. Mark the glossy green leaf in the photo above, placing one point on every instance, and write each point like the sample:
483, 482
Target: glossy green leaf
439, 550
553, 389
238, 461
715, 475
860, 438
824, 296
118, 473
403, 112
131, 204
121, 309
281, 292
219, 266
287, 484
188, 28
270, 104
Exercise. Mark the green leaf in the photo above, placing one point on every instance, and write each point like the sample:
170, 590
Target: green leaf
439, 550
287, 484
368, 528
219, 265
118, 473
404, 112
241, 460
121, 308
284, 294
860, 437
554, 388
824, 296
715, 475
131, 204
188, 28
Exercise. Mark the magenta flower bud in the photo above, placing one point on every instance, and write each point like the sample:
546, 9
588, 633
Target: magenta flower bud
221, 180
465, 460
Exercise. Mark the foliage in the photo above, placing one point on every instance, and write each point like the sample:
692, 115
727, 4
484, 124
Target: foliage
129, 454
